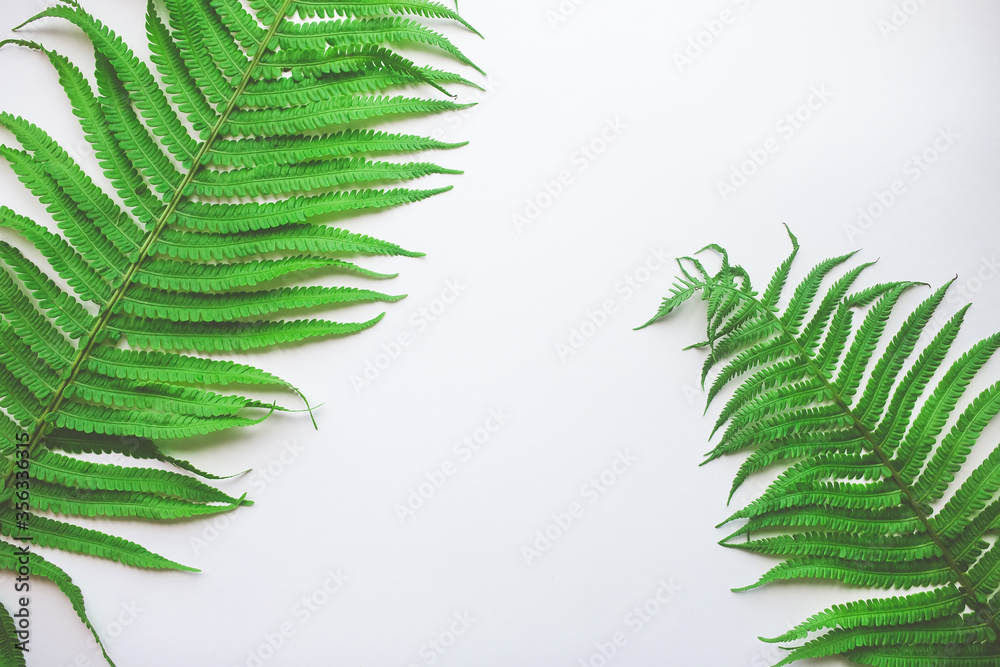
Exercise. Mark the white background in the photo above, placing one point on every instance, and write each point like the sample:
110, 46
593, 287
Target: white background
329, 502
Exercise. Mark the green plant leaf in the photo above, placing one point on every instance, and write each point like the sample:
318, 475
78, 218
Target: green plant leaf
221, 162
859, 430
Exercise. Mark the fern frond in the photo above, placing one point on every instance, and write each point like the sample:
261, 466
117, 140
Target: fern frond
864, 493
182, 253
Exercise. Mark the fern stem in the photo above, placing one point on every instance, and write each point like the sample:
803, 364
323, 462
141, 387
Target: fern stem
982, 611
101, 321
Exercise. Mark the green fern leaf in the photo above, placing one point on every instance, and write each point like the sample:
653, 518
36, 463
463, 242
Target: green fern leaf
867, 454
183, 253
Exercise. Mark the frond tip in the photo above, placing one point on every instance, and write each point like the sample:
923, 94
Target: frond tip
869, 446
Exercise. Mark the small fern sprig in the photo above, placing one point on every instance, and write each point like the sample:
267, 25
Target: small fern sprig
863, 460
226, 155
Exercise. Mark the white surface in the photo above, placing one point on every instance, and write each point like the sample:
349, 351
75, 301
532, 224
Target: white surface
330, 507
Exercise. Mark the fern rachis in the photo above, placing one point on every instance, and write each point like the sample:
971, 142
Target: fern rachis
864, 450
247, 104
